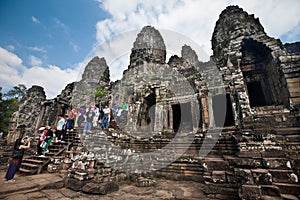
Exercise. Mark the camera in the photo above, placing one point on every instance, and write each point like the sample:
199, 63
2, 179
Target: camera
26, 139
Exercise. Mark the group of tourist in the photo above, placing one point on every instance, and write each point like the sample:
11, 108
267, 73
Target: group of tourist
46, 135
93, 116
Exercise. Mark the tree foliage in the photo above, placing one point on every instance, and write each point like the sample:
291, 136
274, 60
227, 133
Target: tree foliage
17, 92
100, 92
9, 103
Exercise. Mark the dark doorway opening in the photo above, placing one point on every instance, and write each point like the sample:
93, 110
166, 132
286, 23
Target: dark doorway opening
219, 106
256, 94
146, 116
182, 117
176, 117
261, 75
229, 118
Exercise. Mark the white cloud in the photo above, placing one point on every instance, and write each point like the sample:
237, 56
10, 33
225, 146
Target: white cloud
52, 78
35, 20
9, 58
37, 49
61, 25
194, 19
35, 61
10, 47
74, 46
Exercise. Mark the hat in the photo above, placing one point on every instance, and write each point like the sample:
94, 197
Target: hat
42, 128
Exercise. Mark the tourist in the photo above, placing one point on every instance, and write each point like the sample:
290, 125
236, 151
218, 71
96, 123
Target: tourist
73, 116
68, 125
89, 116
20, 145
96, 117
59, 128
105, 118
81, 116
115, 111
48, 139
39, 149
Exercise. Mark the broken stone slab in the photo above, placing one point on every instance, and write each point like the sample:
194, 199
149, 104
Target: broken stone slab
270, 190
244, 176
250, 192
262, 176
219, 176
100, 188
74, 184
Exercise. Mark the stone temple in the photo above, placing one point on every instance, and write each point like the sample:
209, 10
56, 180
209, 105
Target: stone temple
234, 118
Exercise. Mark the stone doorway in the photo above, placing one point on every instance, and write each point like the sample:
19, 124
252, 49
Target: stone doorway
260, 73
222, 110
229, 118
182, 117
146, 117
219, 109
256, 94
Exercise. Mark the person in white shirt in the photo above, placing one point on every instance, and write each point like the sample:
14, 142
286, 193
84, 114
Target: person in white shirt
106, 117
59, 128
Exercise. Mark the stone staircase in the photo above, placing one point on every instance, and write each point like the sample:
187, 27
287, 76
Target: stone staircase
5, 154
35, 164
274, 117
268, 165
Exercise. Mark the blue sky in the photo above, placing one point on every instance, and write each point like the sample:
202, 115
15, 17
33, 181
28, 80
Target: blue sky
56, 32
48, 42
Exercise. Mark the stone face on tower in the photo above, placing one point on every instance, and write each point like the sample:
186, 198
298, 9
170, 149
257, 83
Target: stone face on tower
149, 47
96, 73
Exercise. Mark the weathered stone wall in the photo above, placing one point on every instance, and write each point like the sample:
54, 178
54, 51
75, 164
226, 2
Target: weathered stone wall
235, 31
28, 112
53, 107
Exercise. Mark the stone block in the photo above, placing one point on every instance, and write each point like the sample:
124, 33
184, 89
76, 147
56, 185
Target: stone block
270, 190
250, 192
244, 176
52, 168
74, 184
249, 154
261, 176
249, 162
100, 188
273, 154
219, 176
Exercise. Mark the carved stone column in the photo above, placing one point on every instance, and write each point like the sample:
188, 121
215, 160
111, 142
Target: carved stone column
170, 110
210, 111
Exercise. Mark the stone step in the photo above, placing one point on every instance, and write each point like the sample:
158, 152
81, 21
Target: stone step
281, 176
267, 197
28, 160
289, 197
27, 171
29, 165
287, 188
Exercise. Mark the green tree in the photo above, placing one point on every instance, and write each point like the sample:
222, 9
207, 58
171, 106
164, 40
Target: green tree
7, 108
17, 92
0, 93
100, 92
9, 103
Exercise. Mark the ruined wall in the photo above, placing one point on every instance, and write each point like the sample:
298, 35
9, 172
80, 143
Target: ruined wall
238, 43
28, 112
53, 107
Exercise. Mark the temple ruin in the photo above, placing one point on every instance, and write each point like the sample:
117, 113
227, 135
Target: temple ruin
240, 110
